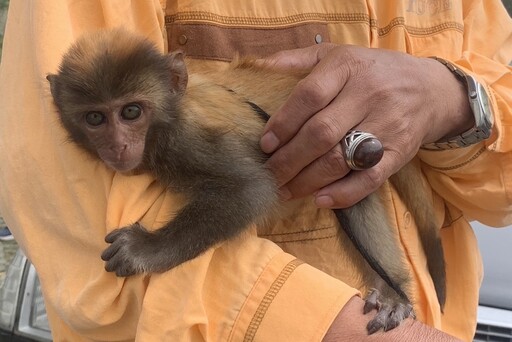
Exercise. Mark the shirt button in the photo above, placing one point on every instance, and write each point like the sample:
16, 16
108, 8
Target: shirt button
318, 38
407, 219
182, 40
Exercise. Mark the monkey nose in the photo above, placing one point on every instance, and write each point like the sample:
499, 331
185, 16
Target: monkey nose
120, 150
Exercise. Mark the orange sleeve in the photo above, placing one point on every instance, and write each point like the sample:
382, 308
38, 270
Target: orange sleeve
60, 204
478, 179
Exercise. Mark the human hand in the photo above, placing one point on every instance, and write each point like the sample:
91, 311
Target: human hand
404, 100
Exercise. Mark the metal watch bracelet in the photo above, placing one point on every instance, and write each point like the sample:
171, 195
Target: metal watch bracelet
482, 111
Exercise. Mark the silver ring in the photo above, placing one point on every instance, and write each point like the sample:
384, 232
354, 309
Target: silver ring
361, 150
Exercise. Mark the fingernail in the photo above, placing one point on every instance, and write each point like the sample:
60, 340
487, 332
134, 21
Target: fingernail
324, 201
269, 142
284, 193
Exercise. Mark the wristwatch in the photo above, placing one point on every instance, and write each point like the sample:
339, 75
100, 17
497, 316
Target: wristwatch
482, 110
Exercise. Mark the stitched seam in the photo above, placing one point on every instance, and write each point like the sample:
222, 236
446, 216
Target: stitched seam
299, 232
278, 21
314, 17
452, 221
419, 31
448, 168
276, 286
304, 240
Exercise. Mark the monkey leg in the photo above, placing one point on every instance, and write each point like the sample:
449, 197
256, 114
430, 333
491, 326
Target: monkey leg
408, 183
367, 226
381, 264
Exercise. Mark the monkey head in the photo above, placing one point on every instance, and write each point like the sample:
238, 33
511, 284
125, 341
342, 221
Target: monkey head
108, 95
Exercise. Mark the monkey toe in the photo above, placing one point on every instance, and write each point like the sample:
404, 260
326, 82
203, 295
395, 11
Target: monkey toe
390, 317
372, 301
400, 312
380, 320
390, 312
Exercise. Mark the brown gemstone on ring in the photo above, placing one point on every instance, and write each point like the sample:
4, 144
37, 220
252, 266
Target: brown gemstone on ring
368, 153
361, 150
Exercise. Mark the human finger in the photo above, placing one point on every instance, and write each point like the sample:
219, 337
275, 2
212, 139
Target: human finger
325, 170
358, 149
311, 94
304, 58
314, 139
357, 184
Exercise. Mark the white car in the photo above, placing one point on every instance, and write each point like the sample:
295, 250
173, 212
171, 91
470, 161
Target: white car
495, 310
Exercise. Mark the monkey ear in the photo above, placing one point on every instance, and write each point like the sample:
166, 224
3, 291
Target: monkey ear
53, 83
179, 74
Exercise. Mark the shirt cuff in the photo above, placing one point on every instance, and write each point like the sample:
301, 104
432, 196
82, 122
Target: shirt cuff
291, 301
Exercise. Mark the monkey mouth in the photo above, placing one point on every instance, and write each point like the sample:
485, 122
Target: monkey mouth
121, 161
122, 164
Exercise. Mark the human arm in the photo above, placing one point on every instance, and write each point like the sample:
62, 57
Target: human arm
349, 326
404, 100
476, 50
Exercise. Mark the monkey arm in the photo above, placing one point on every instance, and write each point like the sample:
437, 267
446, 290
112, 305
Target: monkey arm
217, 211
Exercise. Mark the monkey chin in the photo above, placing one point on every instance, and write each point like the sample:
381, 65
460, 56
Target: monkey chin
123, 166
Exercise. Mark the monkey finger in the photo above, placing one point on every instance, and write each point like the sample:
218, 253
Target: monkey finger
110, 266
121, 270
111, 250
112, 236
115, 264
356, 185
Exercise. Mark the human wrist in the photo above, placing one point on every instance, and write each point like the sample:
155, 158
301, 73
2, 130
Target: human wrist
449, 100
480, 108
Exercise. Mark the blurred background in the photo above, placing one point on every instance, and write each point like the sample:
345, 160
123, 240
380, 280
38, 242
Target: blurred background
3, 16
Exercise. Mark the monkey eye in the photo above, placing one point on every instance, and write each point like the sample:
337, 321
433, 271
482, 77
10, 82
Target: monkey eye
95, 118
131, 112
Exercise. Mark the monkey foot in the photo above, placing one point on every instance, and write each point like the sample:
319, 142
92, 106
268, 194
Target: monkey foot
390, 312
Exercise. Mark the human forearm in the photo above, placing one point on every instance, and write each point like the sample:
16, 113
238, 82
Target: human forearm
350, 325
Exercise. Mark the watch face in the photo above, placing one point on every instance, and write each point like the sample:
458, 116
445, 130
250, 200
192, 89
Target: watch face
486, 114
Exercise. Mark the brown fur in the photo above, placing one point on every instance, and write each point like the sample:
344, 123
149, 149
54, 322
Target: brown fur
200, 137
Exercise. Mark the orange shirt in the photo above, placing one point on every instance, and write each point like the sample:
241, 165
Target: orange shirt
285, 284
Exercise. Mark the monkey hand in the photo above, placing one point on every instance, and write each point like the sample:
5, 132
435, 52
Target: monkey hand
390, 311
133, 250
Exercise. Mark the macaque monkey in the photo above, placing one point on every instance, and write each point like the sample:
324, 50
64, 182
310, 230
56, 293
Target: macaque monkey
136, 109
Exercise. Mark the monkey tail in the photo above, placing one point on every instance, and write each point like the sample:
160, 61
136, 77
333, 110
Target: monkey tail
409, 185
